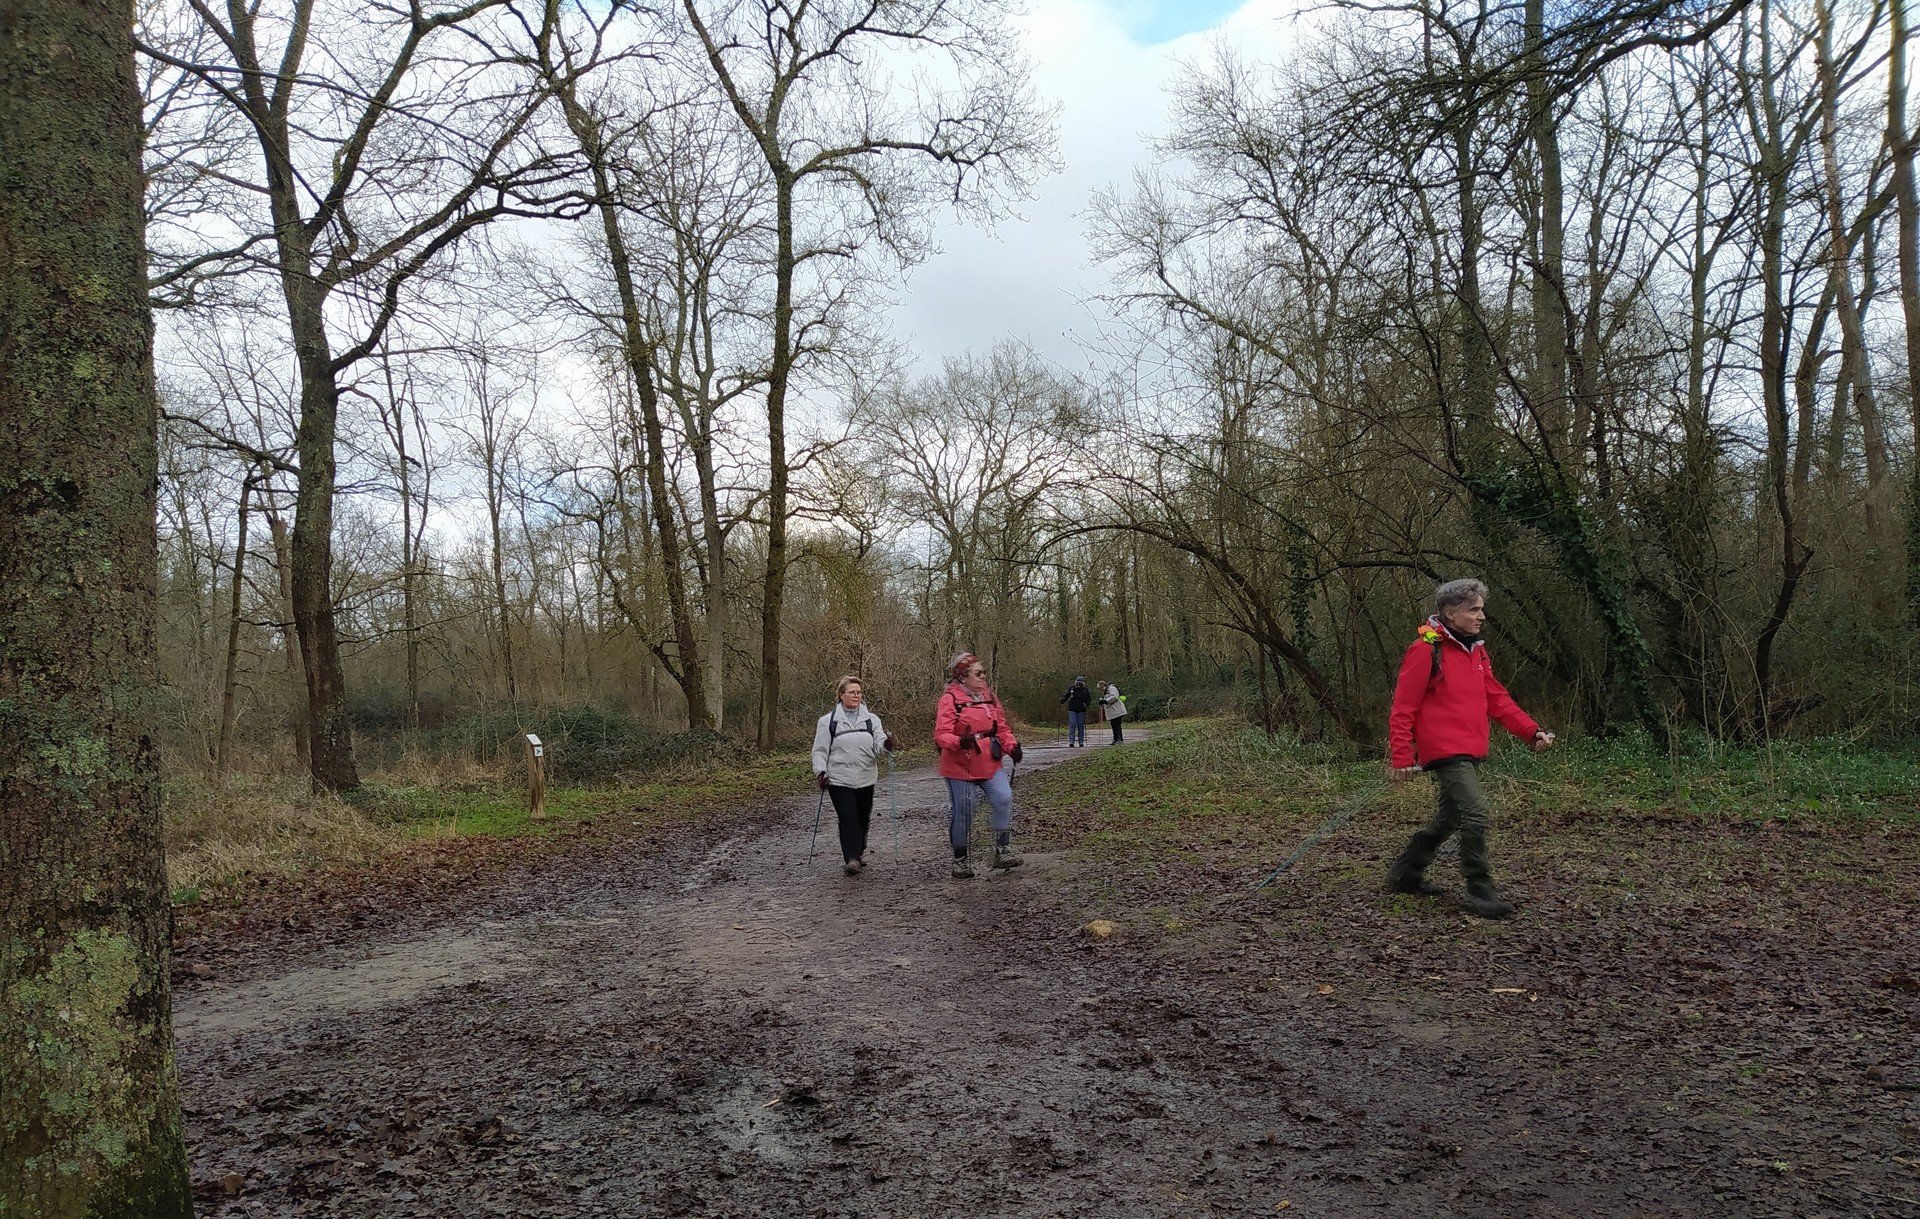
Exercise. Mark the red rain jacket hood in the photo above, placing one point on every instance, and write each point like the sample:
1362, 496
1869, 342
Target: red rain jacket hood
1445, 715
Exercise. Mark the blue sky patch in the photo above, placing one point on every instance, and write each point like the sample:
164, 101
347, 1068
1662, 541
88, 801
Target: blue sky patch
1157, 21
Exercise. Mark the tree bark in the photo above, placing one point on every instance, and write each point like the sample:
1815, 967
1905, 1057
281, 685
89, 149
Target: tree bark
1773, 173
230, 676
310, 552
1548, 288
296, 670
1907, 221
90, 1127
1855, 372
780, 368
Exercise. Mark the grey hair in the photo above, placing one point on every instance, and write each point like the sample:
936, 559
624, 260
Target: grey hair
1457, 592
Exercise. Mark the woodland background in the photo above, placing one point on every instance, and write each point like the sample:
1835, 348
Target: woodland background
522, 369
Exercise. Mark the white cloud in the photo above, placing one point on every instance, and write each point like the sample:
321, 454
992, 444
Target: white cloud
1032, 278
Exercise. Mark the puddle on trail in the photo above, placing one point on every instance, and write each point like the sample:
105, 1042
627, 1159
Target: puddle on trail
744, 1121
395, 975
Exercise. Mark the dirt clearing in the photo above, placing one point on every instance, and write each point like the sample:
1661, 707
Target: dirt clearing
713, 1026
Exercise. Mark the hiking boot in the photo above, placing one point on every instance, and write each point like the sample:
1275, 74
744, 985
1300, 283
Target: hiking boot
1006, 856
1408, 872
1483, 901
862, 862
1403, 878
851, 867
962, 870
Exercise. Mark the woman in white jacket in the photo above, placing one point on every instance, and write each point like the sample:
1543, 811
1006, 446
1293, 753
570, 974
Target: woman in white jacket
847, 744
1113, 707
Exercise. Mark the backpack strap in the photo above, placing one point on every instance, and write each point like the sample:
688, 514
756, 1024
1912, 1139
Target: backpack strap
833, 727
990, 701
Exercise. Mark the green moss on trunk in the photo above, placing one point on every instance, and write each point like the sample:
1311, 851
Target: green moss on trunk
91, 1123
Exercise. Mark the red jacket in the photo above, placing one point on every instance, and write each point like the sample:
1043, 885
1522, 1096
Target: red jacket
955, 716
1445, 715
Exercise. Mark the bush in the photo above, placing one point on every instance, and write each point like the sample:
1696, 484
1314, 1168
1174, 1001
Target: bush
585, 746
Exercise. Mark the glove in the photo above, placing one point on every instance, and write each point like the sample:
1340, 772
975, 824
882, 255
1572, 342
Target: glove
890, 745
823, 780
968, 744
1016, 753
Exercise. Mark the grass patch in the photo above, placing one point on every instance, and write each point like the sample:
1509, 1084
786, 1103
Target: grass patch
1205, 808
258, 827
262, 826
1824, 780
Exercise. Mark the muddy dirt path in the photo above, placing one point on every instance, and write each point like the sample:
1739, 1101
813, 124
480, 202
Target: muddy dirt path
727, 1029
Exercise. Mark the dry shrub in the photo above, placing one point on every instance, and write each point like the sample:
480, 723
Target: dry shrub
418, 767
258, 826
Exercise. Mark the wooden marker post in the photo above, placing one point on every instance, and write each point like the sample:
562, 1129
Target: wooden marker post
537, 777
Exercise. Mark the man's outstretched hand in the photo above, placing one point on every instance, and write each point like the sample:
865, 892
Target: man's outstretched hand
1400, 774
1542, 741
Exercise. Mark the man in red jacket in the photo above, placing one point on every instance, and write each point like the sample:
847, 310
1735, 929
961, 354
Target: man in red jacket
1441, 704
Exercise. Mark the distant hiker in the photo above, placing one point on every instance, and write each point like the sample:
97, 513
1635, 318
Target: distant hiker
847, 744
971, 731
1445, 693
1077, 698
1113, 707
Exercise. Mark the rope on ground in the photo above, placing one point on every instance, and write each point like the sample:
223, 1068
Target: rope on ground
1348, 811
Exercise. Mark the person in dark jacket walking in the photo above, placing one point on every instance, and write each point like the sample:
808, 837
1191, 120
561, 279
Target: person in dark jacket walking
1077, 698
848, 743
1443, 699
975, 739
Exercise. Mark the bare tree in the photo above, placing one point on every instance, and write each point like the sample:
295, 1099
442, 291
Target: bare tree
853, 164
373, 165
975, 459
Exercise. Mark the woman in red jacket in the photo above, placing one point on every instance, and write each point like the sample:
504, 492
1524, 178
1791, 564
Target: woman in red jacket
971, 731
1441, 704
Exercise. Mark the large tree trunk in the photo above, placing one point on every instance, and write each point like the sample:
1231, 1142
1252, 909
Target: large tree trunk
1855, 372
329, 734
1907, 213
1548, 286
1776, 334
718, 597
90, 1121
310, 552
230, 674
773, 598
296, 684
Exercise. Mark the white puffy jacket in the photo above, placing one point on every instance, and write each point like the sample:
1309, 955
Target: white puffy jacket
850, 755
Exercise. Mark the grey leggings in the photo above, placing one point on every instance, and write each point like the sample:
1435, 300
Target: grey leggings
964, 792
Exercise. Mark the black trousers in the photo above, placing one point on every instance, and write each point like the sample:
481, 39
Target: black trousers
853, 808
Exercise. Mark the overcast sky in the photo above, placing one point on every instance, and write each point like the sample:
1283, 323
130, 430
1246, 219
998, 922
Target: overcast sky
1107, 64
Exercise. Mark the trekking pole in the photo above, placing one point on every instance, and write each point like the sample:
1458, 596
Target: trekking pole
817, 810
1366, 796
893, 804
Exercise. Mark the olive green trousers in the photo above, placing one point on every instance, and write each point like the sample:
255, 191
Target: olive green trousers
1460, 807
